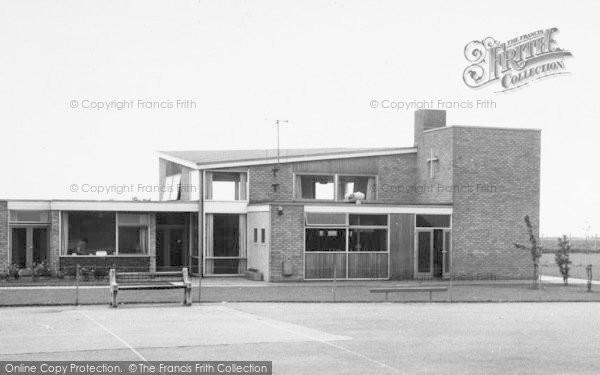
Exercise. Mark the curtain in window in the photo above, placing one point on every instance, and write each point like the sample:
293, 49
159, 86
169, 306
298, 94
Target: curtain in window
143, 240
370, 193
242, 245
208, 185
209, 250
298, 187
241, 195
65, 233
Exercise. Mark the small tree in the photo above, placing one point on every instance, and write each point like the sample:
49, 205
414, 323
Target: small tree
562, 257
536, 252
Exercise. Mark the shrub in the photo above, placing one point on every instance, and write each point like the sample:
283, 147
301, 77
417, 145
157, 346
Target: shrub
562, 257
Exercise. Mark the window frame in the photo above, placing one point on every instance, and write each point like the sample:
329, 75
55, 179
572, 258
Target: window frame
341, 199
294, 191
239, 171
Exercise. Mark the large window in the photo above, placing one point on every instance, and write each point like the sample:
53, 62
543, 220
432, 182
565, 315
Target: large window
315, 187
341, 245
133, 233
104, 233
334, 187
225, 186
367, 239
88, 233
348, 185
325, 239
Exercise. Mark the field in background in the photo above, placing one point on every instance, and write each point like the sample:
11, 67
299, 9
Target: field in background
578, 244
580, 261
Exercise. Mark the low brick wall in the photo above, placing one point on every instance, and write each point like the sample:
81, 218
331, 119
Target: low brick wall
121, 263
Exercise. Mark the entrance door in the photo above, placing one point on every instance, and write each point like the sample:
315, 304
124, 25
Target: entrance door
171, 248
432, 258
29, 246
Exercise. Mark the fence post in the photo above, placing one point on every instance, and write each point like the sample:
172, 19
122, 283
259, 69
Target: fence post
199, 288
334, 280
588, 269
77, 272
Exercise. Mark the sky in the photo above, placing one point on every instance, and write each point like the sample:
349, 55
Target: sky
229, 68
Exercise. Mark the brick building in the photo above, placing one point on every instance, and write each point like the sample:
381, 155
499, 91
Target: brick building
450, 205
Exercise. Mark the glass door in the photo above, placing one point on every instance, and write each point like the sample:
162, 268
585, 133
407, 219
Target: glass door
424, 249
432, 258
29, 246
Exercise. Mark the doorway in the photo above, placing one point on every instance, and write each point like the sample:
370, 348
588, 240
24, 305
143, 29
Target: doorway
171, 248
29, 246
432, 258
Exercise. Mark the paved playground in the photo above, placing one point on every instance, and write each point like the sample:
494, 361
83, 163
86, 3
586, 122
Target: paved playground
318, 338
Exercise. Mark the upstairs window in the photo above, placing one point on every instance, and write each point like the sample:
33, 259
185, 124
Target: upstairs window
226, 186
356, 184
315, 187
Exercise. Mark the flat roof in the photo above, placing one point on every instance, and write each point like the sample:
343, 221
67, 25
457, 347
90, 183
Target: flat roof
236, 158
107, 205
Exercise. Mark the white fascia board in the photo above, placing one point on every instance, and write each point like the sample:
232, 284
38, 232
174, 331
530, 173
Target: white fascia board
259, 208
297, 159
365, 209
188, 206
28, 205
177, 160
225, 207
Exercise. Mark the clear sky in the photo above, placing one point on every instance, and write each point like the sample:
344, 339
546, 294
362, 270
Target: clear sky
315, 63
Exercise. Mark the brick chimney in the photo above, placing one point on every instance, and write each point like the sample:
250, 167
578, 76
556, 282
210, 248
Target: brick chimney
426, 119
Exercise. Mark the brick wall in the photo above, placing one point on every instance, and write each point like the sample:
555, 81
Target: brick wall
397, 178
396, 174
54, 250
4, 246
152, 243
287, 242
262, 180
498, 172
436, 190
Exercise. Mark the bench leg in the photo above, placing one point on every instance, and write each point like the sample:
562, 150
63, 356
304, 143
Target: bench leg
187, 296
113, 299
386, 296
430, 293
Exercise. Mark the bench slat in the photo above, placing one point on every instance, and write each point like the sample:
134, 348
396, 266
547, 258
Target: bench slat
413, 289
149, 287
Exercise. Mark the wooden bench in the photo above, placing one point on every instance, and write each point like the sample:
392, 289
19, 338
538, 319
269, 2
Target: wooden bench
429, 289
150, 281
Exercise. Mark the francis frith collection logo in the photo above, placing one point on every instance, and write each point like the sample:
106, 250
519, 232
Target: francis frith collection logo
514, 63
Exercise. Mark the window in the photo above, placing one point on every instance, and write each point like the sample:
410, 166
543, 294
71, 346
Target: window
27, 216
367, 239
86, 233
356, 184
325, 219
226, 186
133, 233
255, 235
104, 233
368, 220
315, 187
433, 221
262, 235
172, 188
325, 239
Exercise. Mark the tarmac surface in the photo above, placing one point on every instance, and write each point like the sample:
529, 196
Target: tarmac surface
319, 338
